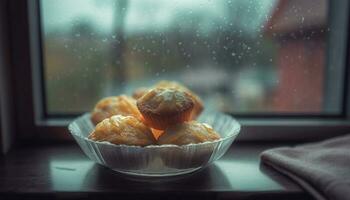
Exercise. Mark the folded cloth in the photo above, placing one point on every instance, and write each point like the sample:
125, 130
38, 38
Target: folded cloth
322, 169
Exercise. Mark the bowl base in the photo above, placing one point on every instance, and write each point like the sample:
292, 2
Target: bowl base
141, 174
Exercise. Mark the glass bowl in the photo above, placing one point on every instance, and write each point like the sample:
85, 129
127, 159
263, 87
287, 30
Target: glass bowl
157, 160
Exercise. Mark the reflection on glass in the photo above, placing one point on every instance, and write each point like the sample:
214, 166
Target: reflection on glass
250, 176
69, 175
241, 56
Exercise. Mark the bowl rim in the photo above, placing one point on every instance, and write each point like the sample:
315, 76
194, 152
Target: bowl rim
233, 134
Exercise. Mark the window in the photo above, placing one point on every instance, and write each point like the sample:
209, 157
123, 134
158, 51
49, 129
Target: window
253, 58
242, 57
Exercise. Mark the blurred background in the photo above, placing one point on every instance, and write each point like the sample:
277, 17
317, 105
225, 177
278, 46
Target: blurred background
240, 56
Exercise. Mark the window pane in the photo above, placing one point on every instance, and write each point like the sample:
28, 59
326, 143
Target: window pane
241, 56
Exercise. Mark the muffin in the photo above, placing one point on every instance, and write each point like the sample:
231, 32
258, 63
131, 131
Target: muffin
188, 133
116, 105
183, 157
198, 103
126, 130
163, 107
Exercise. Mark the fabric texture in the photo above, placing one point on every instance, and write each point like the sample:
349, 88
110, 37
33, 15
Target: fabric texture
322, 169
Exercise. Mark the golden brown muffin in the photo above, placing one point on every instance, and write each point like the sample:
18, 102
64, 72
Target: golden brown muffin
188, 133
163, 107
120, 129
198, 103
116, 105
139, 92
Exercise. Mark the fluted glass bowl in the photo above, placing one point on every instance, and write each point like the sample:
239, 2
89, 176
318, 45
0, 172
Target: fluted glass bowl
157, 160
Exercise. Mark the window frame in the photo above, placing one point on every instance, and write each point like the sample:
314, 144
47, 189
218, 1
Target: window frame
28, 89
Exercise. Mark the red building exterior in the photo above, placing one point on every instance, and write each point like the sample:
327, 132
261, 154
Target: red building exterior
300, 29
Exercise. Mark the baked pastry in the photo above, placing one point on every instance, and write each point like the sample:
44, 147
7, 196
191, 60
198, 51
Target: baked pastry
163, 107
192, 132
120, 129
116, 105
198, 103
188, 133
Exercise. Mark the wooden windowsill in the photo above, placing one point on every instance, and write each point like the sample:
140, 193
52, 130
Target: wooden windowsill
63, 170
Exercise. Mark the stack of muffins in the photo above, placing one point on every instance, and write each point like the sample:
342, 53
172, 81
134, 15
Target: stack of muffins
163, 114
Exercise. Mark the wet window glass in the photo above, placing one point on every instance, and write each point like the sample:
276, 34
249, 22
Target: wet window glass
240, 56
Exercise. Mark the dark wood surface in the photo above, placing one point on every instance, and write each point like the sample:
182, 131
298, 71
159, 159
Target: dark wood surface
62, 171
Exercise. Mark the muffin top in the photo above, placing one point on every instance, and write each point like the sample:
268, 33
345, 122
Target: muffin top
120, 129
198, 104
165, 101
188, 133
116, 105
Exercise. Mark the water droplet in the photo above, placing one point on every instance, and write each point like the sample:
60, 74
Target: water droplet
233, 54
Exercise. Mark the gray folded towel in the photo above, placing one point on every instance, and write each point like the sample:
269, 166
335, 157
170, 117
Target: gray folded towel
322, 169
